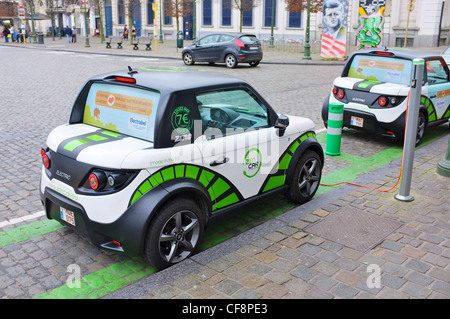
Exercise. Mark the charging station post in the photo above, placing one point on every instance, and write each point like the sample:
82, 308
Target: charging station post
412, 116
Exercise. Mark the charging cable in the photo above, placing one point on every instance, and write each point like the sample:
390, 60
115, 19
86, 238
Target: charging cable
401, 165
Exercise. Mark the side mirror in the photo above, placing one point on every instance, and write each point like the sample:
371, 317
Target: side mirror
281, 124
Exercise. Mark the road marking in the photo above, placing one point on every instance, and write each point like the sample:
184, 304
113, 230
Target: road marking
22, 219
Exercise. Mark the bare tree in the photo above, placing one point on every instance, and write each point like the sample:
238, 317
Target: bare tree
131, 6
244, 5
99, 4
301, 5
178, 9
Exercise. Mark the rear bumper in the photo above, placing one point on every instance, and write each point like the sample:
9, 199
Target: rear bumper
129, 230
249, 56
394, 129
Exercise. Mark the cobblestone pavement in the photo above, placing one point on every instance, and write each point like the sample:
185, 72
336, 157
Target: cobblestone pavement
270, 251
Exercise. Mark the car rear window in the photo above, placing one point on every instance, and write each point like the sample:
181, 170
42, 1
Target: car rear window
122, 109
249, 39
381, 68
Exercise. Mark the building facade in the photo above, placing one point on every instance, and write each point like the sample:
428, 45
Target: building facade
427, 24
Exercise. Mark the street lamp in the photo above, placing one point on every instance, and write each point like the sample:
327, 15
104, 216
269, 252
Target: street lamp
32, 22
194, 21
87, 45
271, 24
307, 53
161, 40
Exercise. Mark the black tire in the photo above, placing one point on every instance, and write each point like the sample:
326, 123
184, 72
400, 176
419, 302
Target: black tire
421, 125
188, 59
306, 178
253, 63
231, 61
175, 233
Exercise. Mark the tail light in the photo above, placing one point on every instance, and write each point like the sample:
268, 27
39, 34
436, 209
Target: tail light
382, 101
105, 181
97, 180
45, 155
239, 43
340, 94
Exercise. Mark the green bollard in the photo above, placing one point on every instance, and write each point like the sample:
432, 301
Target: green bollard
443, 167
334, 132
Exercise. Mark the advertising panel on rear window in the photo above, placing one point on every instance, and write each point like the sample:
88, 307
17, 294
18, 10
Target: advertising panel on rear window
122, 109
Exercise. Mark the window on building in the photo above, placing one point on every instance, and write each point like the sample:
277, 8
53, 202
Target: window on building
150, 12
247, 13
295, 20
207, 12
268, 13
226, 12
121, 12
167, 19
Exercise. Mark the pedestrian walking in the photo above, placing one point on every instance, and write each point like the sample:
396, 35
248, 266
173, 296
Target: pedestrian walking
125, 32
74, 34
6, 33
68, 32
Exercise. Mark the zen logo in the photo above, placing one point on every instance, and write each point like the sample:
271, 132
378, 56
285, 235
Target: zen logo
252, 162
73, 281
374, 279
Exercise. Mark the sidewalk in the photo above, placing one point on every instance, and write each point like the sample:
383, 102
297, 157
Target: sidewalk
168, 50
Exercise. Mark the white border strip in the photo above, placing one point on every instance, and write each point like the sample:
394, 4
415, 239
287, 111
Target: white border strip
22, 219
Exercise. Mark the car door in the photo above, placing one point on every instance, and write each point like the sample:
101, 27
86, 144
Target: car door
225, 42
237, 144
204, 49
438, 86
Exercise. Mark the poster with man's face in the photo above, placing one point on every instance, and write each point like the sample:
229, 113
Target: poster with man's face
334, 28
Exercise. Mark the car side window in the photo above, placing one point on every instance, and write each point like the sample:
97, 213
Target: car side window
225, 38
231, 111
209, 39
436, 72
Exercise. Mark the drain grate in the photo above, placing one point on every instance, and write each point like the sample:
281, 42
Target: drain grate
354, 228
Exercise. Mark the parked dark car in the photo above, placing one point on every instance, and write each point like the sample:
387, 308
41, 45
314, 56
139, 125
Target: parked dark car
230, 49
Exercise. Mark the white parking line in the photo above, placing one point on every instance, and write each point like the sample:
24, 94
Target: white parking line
22, 219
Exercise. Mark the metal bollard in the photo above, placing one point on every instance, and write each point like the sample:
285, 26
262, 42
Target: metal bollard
443, 167
334, 132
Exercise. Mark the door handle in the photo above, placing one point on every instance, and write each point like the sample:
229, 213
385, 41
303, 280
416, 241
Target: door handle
219, 162
433, 96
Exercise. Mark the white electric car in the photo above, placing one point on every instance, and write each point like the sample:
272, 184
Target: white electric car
149, 157
374, 87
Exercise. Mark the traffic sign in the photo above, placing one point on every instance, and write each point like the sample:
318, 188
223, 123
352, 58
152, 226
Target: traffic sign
21, 11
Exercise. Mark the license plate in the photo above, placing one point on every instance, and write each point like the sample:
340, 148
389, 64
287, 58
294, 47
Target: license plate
67, 216
254, 47
357, 121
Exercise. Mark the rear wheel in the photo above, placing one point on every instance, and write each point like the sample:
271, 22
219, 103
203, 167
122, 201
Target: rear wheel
253, 63
175, 233
306, 179
421, 125
188, 59
230, 61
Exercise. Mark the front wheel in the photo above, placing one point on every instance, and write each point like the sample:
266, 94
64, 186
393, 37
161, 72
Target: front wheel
306, 179
175, 233
230, 61
188, 59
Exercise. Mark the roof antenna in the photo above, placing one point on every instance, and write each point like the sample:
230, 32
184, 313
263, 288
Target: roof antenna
386, 48
131, 71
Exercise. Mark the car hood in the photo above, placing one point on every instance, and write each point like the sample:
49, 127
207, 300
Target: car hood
94, 146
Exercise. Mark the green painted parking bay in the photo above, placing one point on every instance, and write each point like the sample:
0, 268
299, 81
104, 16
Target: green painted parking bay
120, 274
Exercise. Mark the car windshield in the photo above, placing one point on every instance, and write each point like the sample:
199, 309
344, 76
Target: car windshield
122, 109
381, 69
